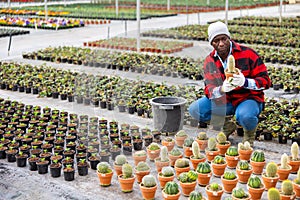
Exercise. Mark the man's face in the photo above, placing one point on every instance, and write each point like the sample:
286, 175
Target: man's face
221, 44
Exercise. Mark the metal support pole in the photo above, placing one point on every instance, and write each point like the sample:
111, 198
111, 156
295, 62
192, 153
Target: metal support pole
46, 11
168, 5
226, 12
138, 19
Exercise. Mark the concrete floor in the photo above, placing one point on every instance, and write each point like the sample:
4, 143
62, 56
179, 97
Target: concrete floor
18, 183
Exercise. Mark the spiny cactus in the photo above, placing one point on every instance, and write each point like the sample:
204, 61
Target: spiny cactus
271, 169
196, 150
164, 154
221, 138
182, 162
103, 168
211, 144
295, 151
202, 136
175, 152
231, 64
244, 146
181, 133
142, 166
121, 160
127, 171
195, 195
140, 153
188, 142
214, 186
171, 188
273, 194
297, 179
149, 181
154, 146
229, 175
284, 161
287, 187
167, 171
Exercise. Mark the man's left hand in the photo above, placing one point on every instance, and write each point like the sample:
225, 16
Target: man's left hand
238, 79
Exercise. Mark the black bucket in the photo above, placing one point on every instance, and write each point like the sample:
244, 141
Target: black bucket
168, 113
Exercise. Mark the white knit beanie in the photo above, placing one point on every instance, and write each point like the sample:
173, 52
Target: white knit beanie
217, 28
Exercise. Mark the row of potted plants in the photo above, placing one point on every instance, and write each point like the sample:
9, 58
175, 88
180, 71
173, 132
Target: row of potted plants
4, 32
51, 23
154, 46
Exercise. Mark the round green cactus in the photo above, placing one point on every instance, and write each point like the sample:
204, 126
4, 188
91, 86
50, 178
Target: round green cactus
120, 160
244, 165
203, 168
271, 169
287, 187
127, 171
195, 195
202, 136
232, 151
219, 160
188, 142
183, 177
142, 166
171, 188
167, 171
239, 192
254, 182
214, 186
229, 175
154, 146
103, 168
221, 138
182, 162
175, 152
273, 194
258, 156
181, 133
149, 181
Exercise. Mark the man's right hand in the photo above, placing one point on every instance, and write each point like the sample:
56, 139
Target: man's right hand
227, 86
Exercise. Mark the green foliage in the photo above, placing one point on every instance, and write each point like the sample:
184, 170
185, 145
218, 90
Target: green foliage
271, 169
287, 187
127, 170
273, 194
149, 181
171, 188
203, 168
103, 168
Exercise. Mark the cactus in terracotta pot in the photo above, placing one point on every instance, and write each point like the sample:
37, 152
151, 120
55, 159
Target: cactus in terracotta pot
273, 194
284, 161
142, 166
164, 154
212, 144
271, 169
120, 160
167, 171
287, 187
297, 179
182, 162
202, 136
127, 171
295, 151
230, 70
196, 151
171, 188
149, 181
221, 138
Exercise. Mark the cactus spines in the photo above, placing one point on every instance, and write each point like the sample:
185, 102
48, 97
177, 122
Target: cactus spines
231, 64
142, 166
175, 152
271, 169
164, 154
103, 168
149, 181
121, 160
196, 150
211, 144
202, 136
188, 142
182, 162
287, 187
273, 194
284, 161
181, 133
221, 138
244, 146
127, 171
297, 179
171, 188
295, 151
167, 171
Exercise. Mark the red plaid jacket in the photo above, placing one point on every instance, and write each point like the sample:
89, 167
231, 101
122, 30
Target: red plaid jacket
249, 63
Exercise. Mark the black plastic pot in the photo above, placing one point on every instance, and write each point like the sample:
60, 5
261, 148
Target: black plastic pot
2, 154
32, 165
42, 167
282, 139
94, 163
55, 170
138, 144
69, 175
11, 157
268, 136
82, 170
21, 160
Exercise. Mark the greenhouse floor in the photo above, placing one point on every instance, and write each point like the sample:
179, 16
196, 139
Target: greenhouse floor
21, 183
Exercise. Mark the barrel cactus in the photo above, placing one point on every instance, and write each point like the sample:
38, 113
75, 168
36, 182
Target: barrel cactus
103, 168
127, 171
244, 165
258, 156
182, 162
203, 168
202, 136
239, 193
167, 171
219, 160
149, 181
271, 169
175, 152
142, 166
229, 175
120, 160
254, 182
221, 138
195, 195
171, 188
273, 194
232, 151
214, 187
287, 187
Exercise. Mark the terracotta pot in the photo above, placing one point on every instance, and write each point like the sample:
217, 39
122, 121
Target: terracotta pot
243, 175
180, 140
105, 179
169, 145
213, 195
283, 173
256, 193
245, 154
138, 159
202, 144
118, 169
257, 167
187, 188
187, 151
287, 197
170, 197
232, 161
294, 164
159, 164
269, 182
163, 180
173, 159
140, 175
195, 162
296, 188
229, 74
126, 184
203, 179
223, 148
148, 192
179, 170
152, 154
210, 155
228, 185
218, 169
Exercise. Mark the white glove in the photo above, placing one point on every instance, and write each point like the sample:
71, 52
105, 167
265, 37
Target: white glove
227, 87
238, 79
